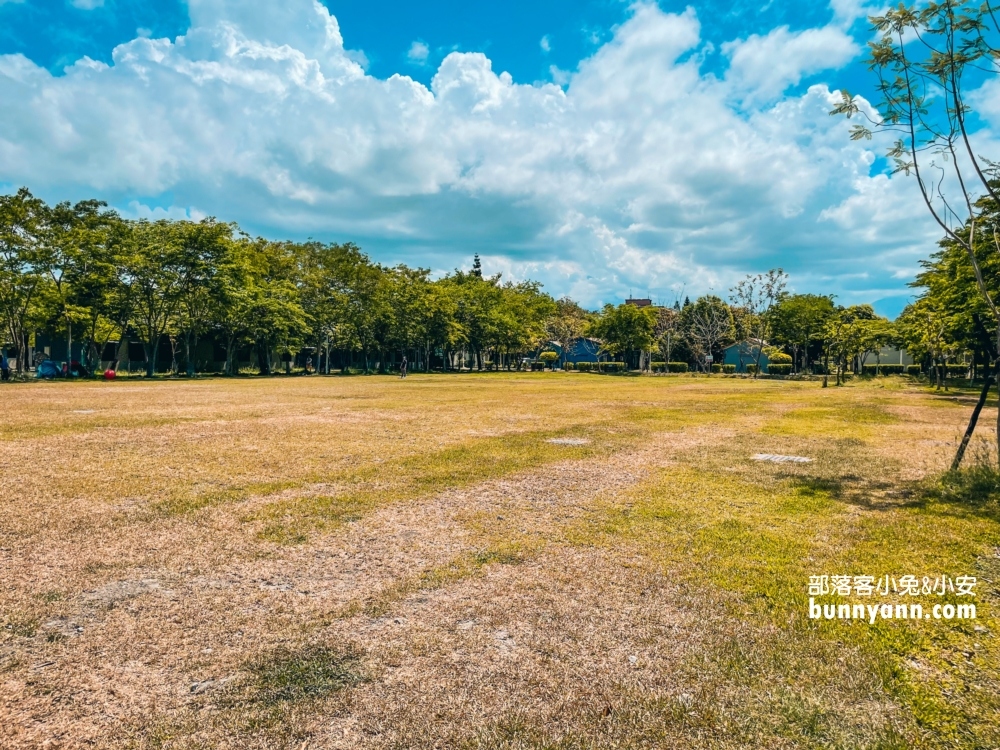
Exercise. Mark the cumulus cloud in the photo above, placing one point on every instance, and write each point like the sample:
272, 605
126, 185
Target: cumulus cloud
763, 67
545, 44
638, 173
87, 4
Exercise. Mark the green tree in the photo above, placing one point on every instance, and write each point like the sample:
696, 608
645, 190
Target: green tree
925, 105
23, 278
625, 329
844, 338
75, 252
798, 321
204, 248
154, 262
926, 328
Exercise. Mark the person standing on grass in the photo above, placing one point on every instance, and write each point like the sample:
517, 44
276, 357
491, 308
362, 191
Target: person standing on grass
4, 366
402, 368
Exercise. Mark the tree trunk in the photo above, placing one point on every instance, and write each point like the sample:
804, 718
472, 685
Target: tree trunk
151, 350
187, 356
987, 384
231, 364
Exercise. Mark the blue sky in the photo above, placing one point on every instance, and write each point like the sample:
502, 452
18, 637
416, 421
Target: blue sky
654, 148
56, 33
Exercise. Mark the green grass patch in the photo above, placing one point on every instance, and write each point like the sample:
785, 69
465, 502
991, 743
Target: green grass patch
748, 549
464, 465
287, 675
845, 420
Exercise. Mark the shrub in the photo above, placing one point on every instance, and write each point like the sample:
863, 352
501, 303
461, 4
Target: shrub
913, 370
957, 371
537, 366
729, 369
781, 359
716, 369
584, 366
548, 358
568, 366
677, 367
613, 367
751, 369
658, 366
776, 369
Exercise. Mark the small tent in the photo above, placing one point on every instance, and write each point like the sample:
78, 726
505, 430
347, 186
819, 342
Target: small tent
48, 370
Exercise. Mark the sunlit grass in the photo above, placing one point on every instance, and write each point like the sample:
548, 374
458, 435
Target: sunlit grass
242, 484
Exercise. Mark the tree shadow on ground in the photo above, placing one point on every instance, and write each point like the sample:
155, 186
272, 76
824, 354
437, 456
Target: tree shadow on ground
973, 491
965, 394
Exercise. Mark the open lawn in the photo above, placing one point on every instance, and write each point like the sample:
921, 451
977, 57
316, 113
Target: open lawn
376, 563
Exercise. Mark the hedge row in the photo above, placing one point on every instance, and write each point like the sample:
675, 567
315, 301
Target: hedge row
885, 369
773, 368
612, 367
670, 367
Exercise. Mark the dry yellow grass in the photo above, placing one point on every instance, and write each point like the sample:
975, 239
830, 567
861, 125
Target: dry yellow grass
376, 563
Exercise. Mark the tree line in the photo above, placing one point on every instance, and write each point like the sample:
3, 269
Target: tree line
82, 272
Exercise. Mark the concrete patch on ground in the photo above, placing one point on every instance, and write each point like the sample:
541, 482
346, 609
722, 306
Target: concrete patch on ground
782, 459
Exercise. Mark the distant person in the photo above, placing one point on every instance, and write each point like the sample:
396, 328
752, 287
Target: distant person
309, 365
4, 366
402, 368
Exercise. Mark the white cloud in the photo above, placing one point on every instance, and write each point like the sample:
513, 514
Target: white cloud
846, 12
418, 53
87, 4
763, 67
639, 173
559, 76
545, 44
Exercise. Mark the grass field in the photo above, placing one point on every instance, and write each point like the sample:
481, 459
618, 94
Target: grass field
495, 561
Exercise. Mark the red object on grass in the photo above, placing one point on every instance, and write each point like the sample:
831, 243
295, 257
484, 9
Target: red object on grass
109, 374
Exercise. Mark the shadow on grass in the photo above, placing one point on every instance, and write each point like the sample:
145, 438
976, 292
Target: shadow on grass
974, 490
